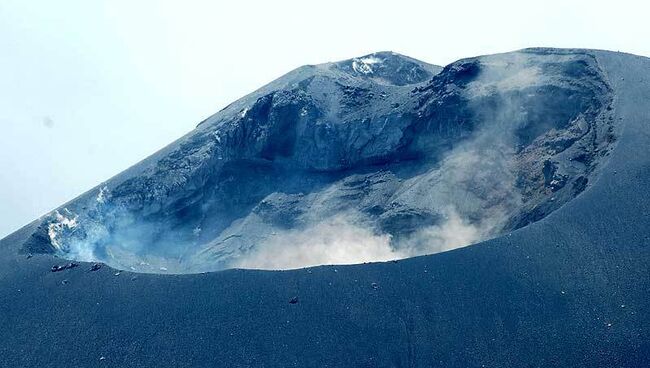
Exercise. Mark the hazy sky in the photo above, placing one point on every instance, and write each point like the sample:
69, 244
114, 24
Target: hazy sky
88, 88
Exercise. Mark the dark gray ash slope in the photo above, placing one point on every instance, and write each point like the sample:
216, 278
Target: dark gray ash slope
400, 157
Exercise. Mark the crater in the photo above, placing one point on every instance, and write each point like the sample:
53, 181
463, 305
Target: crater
337, 164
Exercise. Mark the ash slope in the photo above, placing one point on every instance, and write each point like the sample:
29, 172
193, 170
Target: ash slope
369, 159
568, 290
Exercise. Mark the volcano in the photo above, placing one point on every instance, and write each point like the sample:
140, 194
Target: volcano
376, 212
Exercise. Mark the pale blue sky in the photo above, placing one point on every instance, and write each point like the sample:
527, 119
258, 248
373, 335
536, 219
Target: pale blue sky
89, 88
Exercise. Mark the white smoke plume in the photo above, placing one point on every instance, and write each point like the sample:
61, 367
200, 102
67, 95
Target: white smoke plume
340, 240
333, 241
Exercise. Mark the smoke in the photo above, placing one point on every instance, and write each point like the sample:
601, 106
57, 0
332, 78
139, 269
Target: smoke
337, 240
94, 234
61, 229
61, 224
341, 239
454, 232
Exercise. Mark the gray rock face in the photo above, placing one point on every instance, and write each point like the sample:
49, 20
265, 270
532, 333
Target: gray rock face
374, 158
